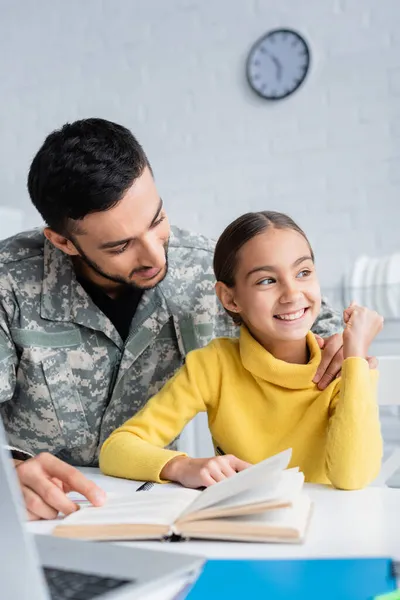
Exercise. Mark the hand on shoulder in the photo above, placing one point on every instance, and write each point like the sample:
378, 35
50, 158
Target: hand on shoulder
334, 351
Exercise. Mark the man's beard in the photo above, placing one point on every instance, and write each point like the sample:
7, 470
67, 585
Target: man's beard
117, 278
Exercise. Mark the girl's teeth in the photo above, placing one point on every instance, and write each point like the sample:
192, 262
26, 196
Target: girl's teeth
292, 316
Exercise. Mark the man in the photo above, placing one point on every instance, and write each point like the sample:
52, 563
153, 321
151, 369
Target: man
98, 311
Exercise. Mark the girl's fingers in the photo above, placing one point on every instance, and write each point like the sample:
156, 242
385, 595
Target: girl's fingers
216, 473
349, 311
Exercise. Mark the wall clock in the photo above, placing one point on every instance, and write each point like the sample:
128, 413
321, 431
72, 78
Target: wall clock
278, 64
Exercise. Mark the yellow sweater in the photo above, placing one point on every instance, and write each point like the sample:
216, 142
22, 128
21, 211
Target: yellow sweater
258, 406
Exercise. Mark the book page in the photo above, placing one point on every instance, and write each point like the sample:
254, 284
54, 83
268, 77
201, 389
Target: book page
285, 486
283, 524
294, 516
150, 508
263, 473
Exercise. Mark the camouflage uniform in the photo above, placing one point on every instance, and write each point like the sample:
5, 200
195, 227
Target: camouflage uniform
67, 379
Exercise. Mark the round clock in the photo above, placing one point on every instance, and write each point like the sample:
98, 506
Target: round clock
278, 64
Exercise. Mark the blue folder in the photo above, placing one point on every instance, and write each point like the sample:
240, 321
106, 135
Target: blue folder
325, 579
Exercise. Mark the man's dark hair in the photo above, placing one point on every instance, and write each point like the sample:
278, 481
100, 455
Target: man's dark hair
82, 168
236, 235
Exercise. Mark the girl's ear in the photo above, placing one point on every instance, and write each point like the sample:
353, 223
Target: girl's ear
226, 296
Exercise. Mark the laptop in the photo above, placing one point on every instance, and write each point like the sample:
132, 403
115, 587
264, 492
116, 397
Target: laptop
45, 568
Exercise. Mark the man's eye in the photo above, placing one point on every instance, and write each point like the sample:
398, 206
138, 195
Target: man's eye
121, 249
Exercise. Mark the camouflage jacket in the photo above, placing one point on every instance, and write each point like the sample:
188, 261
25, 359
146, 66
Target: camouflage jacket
67, 379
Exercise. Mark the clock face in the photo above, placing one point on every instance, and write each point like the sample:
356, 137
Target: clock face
278, 64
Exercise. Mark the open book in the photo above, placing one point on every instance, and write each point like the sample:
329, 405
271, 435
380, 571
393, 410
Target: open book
263, 503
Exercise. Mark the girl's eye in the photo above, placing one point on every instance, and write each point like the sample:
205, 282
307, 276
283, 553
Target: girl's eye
121, 249
304, 273
266, 281
160, 220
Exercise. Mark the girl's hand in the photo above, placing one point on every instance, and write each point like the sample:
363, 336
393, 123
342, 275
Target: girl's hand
202, 472
361, 327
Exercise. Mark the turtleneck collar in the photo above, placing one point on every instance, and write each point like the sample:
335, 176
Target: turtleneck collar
262, 364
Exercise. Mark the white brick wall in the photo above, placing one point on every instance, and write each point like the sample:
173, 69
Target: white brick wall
174, 73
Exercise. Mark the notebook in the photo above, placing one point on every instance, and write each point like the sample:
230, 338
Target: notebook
330, 579
264, 503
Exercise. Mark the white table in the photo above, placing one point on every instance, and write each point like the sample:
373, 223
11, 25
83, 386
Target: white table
343, 524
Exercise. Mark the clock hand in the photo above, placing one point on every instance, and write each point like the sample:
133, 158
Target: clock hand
278, 66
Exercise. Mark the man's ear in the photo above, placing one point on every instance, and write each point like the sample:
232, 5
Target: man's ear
60, 242
226, 296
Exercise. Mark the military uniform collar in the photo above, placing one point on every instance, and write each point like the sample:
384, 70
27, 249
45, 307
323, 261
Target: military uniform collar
64, 299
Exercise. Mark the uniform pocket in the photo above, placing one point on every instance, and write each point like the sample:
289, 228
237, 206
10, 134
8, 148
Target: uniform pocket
66, 399
7, 374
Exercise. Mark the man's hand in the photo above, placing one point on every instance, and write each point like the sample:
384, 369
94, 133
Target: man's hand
202, 472
45, 480
332, 359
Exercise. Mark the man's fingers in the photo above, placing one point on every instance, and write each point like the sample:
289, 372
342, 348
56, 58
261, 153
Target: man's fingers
31, 516
78, 483
330, 358
323, 365
33, 475
59, 484
320, 341
45, 480
332, 370
36, 507
73, 479
326, 380
51, 495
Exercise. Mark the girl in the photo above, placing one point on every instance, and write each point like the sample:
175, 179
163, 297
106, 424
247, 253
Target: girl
258, 390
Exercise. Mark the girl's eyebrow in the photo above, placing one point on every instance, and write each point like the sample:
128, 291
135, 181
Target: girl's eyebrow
273, 269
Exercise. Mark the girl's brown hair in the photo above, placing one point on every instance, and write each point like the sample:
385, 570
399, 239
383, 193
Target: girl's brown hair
241, 231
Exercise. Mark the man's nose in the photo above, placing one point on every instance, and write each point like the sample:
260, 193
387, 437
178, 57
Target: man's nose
153, 253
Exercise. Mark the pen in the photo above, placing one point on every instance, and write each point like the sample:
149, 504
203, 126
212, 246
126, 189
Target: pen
147, 485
